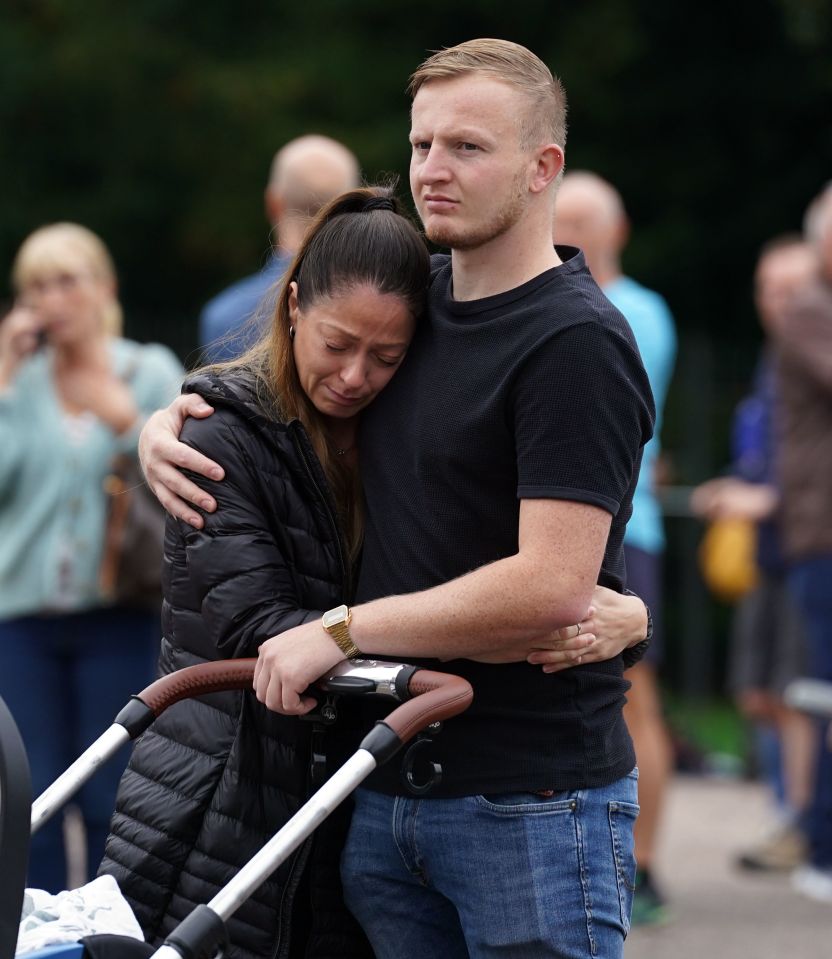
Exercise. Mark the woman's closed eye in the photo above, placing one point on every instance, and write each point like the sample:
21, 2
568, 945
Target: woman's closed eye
389, 360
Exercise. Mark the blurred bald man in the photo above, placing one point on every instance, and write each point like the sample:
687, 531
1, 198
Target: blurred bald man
589, 214
305, 175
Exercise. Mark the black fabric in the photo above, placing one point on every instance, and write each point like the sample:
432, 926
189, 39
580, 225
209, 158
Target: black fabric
535, 393
106, 946
214, 778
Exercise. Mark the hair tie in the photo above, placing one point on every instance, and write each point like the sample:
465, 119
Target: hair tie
379, 203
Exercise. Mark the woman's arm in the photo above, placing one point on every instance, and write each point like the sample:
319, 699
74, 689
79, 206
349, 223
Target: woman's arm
614, 622
237, 568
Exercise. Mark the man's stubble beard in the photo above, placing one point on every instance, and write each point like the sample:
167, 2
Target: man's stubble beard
460, 238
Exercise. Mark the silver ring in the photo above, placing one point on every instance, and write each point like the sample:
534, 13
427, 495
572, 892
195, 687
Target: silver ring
579, 630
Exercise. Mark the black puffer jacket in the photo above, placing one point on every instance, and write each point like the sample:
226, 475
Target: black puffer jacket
214, 778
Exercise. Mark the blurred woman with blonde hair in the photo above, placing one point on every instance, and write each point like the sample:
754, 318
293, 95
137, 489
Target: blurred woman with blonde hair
73, 394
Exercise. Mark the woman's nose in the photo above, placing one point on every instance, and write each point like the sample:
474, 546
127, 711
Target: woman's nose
354, 373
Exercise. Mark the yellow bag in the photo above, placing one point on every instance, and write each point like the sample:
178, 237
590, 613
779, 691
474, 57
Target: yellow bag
728, 558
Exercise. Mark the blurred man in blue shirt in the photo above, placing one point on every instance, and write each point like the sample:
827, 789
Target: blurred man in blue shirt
305, 175
590, 214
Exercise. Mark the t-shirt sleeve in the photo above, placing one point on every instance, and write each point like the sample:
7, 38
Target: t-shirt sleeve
582, 411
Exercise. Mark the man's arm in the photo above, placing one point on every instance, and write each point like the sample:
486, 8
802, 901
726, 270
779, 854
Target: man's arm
547, 584
163, 457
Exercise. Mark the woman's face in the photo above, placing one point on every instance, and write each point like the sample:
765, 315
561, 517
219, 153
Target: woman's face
69, 301
348, 346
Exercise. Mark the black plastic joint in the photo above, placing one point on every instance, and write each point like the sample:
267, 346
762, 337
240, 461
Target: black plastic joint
381, 743
135, 717
403, 682
198, 936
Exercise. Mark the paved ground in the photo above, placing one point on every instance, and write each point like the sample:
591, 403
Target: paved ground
720, 912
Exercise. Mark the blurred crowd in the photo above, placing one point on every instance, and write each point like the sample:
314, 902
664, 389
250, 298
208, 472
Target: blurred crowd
74, 394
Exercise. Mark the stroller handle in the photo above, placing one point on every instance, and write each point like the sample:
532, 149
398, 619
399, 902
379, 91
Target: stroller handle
426, 698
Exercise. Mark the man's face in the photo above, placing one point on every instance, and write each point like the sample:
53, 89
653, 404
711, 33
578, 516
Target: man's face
468, 173
779, 275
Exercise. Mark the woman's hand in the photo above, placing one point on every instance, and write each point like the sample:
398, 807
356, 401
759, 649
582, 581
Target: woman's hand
19, 338
613, 622
287, 664
163, 457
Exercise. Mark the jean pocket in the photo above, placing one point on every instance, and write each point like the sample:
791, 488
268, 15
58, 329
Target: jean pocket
528, 803
622, 818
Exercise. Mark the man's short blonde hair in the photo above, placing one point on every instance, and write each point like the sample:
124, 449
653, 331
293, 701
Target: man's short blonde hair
544, 121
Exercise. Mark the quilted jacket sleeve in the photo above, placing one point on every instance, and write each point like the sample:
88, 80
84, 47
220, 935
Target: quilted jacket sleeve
265, 561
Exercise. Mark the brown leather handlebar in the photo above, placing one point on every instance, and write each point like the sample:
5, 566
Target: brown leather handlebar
225, 674
436, 696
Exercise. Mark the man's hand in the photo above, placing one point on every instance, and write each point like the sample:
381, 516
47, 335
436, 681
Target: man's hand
163, 457
727, 497
287, 664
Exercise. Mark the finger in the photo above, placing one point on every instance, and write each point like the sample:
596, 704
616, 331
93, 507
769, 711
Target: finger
540, 657
578, 643
187, 458
192, 404
164, 476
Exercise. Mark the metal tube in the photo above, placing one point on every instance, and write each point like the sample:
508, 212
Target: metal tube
166, 952
305, 821
77, 774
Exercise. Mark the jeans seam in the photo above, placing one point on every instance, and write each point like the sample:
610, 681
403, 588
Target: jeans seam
582, 868
613, 809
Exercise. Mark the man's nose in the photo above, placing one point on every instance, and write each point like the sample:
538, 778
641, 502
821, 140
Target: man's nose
434, 166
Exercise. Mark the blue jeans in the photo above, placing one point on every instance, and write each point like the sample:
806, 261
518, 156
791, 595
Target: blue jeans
811, 583
509, 875
64, 678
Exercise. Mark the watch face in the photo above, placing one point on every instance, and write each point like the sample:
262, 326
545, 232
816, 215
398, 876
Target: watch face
333, 617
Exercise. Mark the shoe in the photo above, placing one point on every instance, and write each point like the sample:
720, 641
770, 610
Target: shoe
649, 906
781, 852
814, 883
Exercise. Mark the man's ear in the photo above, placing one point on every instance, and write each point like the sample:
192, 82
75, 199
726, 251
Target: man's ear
622, 233
273, 204
549, 162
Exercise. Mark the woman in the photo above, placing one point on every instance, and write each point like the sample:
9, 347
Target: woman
72, 395
212, 781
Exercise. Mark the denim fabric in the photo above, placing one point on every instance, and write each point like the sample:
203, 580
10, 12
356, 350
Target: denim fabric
511, 875
810, 581
64, 678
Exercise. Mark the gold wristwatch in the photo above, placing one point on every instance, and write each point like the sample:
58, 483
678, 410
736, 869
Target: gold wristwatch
337, 623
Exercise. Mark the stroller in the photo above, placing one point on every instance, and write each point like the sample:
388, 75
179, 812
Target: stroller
426, 698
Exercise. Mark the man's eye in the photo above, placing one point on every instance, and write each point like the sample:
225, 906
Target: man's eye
421, 145
469, 147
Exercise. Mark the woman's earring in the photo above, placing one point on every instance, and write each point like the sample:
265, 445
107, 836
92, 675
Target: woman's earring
291, 332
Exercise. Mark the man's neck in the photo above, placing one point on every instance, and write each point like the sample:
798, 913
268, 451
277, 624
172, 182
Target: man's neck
503, 264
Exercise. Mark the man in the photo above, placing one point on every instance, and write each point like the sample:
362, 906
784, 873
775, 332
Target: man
768, 647
305, 175
590, 214
499, 468
803, 345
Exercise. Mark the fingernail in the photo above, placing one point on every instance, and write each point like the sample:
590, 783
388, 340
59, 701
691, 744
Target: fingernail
206, 503
216, 474
203, 408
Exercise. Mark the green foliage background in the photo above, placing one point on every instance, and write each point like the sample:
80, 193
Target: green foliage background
154, 123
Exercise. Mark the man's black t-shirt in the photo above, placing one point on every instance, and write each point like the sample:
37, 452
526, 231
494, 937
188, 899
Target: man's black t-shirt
538, 392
